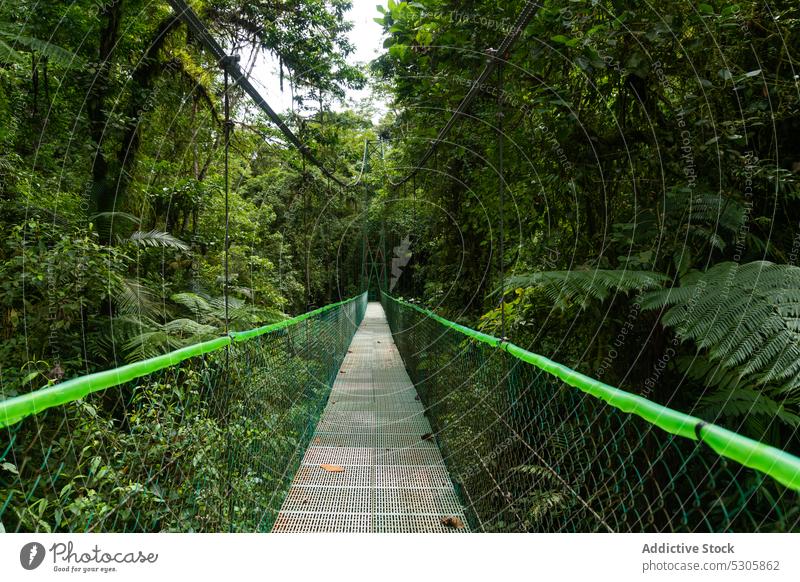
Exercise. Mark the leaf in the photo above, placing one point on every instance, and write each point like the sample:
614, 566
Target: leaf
581, 286
332, 468
753, 73
746, 317
54, 53
10, 468
158, 238
452, 521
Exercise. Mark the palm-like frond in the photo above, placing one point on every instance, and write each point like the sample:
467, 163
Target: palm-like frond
738, 403
713, 208
158, 238
543, 503
157, 339
746, 316
133, 298
211, 310
583, 286
11, 37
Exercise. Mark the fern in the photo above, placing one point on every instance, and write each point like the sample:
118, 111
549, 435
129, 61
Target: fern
211, 311
543, 503
746, 318
11, 37
157, 238
583, 286
159, 339
739, 403
133, 298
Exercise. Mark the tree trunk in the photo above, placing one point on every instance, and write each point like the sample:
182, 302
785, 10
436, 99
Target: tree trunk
102, 192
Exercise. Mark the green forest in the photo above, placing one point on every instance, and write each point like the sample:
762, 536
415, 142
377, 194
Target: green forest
619, 197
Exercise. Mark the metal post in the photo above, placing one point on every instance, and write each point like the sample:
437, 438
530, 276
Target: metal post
227, 130
226, 62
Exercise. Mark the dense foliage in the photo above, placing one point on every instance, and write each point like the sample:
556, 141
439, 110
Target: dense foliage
113, 242
648, 234
112, 184
650, 163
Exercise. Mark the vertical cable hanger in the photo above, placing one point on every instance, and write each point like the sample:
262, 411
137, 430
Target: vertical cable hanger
227, 61
500, 140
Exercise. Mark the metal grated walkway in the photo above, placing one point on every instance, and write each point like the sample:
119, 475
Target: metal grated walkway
392, 480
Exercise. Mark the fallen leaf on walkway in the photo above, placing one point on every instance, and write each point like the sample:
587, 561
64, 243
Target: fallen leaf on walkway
416, 397
332, 468
452, 521
316, 440
342, 372
427, 436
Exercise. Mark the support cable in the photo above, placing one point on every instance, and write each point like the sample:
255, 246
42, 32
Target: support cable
227, 137
500, 140
227, 130
495, 57
238, 77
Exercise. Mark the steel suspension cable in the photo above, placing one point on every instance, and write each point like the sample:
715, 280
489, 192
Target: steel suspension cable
495, 57
232, 68
500, 139
227, 137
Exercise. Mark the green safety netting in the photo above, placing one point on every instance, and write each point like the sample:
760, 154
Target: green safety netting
532, 445
206, 438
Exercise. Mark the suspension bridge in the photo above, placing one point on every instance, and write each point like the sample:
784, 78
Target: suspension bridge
374, 416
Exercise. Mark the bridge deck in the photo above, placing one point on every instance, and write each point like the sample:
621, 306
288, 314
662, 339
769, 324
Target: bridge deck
393, 480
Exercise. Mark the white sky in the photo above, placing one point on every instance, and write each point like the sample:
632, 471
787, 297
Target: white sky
367, 38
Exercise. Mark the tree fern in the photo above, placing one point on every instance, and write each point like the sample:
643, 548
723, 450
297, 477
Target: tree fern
745, 317
583, 286
740, 403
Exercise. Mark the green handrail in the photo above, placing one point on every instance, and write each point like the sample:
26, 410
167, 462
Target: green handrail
778, 464
13, 410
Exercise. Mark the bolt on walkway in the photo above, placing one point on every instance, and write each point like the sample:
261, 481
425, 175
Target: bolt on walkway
391, 478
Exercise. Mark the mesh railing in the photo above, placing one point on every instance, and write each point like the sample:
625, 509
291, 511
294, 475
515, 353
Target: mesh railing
534, 446
207, 438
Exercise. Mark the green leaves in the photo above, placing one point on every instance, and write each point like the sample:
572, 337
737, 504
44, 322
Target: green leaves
561, 39
158, 238
13, 39
584, 286
746, 318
